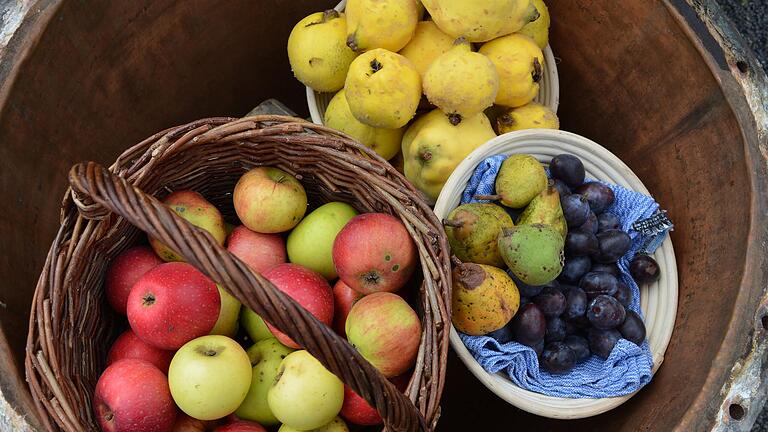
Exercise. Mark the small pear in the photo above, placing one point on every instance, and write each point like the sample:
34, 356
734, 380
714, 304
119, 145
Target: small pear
545, 209
530, 116
521, 177
534, 253
520, 64
427, 45
538, 29
473, 232
388, 24
385, 142
461, 82
485, 298
318, 52
383, 89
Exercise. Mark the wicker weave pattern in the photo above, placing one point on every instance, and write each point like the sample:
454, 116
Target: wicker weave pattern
71, 327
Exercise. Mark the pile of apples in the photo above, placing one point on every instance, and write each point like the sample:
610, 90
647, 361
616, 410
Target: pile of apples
431, 80
179, 366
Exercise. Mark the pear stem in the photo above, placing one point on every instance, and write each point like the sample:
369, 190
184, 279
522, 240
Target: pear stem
456, 261
488, 197
453, 223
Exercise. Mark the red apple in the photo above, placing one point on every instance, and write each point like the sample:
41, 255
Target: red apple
185, 423
128, 345
356, 410
124, 271
269, 200
386, 331
259, 251
308, 288
173, 304
374, 253
343, 299
241, 426
133, 396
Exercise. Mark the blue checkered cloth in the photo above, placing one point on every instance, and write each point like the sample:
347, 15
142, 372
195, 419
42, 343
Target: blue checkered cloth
629, 366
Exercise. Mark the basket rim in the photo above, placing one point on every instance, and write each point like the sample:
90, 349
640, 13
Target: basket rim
530, 140
139, 160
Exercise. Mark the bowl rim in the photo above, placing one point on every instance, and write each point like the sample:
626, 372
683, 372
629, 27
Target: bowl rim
539, 404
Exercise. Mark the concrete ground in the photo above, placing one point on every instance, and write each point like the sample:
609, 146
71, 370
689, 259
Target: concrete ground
751, 18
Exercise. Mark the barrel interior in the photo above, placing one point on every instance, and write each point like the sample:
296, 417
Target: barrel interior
105, 75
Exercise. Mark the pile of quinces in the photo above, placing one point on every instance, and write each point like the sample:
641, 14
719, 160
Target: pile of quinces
426, 86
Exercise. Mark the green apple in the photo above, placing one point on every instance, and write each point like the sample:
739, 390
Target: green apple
266, 356
254, 325
209, 377
305, 395
336, 425
229, 313
310, 244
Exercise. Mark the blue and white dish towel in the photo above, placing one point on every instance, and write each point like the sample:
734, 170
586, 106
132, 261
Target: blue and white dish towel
627, 369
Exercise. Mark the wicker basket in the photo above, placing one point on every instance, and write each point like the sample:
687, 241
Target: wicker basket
71, 326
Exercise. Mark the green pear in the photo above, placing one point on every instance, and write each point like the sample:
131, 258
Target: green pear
545, 209
534, 253
310, 244
266, 356
473, 231
254, 325
521, 177
226, 324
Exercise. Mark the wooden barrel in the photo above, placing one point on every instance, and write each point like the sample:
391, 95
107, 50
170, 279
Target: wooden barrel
666, 85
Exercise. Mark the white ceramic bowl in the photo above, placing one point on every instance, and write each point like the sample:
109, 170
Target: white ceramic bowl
549, 91
658, 301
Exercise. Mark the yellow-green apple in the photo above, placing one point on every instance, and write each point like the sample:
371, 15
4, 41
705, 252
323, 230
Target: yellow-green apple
172, 304
254, 325
259, 251
356, 410
311, 243
229, 314
374, 253
128, 345
123, 272
199, 212
132, 396
308, 288
344, 298
305, 395
386, 331
269, 200
240, 426
209, 377
265, 356
336, 425
185, 423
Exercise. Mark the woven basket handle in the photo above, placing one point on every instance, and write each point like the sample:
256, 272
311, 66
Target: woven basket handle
93, 181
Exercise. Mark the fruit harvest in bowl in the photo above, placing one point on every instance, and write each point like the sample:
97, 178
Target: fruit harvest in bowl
192, 357
544, 263
402, 76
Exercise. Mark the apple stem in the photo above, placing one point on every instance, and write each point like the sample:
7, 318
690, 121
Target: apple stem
456, 261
